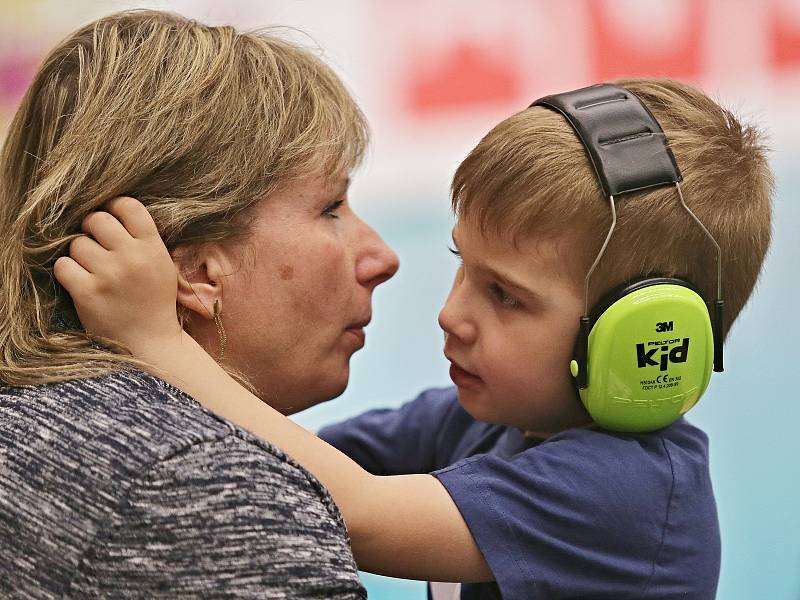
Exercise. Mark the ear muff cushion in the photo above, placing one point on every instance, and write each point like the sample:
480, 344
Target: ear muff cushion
650, 358
631, 286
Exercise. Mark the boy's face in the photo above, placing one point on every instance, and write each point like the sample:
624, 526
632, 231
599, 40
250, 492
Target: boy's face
510, 325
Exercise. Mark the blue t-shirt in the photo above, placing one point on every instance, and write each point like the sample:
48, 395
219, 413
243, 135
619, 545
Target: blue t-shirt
587, 513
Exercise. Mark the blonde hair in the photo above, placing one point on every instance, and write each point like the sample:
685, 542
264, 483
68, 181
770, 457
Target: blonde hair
530, 175
199, 123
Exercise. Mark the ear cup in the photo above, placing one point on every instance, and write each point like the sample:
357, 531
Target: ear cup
650, 355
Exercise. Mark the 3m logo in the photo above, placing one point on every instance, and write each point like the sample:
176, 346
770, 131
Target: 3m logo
662, 327
677, 354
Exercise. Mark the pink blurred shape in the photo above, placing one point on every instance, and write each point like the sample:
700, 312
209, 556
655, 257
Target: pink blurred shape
784, 25
16, 74
463, 75
618, 49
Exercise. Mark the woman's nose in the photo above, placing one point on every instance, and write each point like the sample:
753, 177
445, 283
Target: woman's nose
376, 262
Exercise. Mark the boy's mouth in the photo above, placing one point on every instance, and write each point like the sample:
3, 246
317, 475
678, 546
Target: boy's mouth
461, 377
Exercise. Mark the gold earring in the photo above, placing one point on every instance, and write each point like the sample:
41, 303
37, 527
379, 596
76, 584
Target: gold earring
220, 331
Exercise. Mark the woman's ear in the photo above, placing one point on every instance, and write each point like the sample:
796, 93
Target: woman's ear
199, 279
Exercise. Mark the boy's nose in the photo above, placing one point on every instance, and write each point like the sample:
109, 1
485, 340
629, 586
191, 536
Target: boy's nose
453, 322
377, 262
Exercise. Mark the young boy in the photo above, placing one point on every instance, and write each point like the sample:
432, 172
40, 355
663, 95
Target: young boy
504, 483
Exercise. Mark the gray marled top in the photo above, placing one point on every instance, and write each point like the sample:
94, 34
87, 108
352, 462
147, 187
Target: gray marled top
123, 486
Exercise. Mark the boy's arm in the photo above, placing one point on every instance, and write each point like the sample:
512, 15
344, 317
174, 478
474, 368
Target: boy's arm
402, 526
398, 441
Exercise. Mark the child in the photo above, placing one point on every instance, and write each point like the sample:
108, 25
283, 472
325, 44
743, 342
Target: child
504, 483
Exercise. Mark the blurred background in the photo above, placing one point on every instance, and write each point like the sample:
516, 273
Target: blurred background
433, 78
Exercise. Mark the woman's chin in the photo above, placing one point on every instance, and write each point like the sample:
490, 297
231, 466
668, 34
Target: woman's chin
328, 393
316, 392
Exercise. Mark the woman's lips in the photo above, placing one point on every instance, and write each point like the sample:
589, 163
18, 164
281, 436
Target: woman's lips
356, 331
462, 378
358, 334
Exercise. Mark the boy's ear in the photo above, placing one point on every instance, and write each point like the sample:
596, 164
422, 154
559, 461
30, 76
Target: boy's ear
200, 272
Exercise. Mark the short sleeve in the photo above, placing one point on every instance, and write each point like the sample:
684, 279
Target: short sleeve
398, 441
225, 518
572, 517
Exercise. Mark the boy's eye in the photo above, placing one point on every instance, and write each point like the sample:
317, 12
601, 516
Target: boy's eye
330, 210
455, 252
502, 296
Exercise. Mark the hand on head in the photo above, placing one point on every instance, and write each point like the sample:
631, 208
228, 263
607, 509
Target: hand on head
121, 277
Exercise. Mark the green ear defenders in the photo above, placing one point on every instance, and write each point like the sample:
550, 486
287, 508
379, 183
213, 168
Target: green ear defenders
650, 350
645, 352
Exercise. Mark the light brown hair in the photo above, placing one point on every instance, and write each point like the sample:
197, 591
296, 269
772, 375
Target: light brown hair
530, 176
199, 123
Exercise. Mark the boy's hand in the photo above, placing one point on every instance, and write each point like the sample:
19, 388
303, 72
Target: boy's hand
122, 278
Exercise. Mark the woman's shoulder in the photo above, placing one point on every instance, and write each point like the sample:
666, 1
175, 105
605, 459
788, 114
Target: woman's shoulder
131, 419
123, 408
128, 461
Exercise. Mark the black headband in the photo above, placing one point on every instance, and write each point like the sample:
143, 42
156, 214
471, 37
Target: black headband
625, 144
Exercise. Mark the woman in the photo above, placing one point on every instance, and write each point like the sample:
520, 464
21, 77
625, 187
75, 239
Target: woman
240, 145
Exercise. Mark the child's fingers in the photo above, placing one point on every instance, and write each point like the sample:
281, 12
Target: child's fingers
72, 276
134, 216
105, 228
88, 253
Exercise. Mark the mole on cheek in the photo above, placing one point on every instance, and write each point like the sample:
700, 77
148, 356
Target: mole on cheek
286, 272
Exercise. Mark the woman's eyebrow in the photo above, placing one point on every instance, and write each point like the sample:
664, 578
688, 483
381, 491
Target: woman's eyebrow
332, 192
342, 188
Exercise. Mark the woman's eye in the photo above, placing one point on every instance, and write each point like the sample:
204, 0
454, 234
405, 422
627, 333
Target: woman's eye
330, 210
502, 296
455, 252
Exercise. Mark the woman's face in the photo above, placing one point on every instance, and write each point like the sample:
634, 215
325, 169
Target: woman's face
295, 304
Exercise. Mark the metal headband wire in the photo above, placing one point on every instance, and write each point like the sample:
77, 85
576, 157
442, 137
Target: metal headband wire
599, 256
611, 231
711, 237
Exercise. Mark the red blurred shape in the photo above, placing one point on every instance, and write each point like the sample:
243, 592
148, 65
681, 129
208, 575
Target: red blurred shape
784, 39
612, 54
464, 75
16, 74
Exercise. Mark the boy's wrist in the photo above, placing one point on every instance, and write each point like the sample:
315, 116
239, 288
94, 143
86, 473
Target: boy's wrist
156, 349
180, 360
